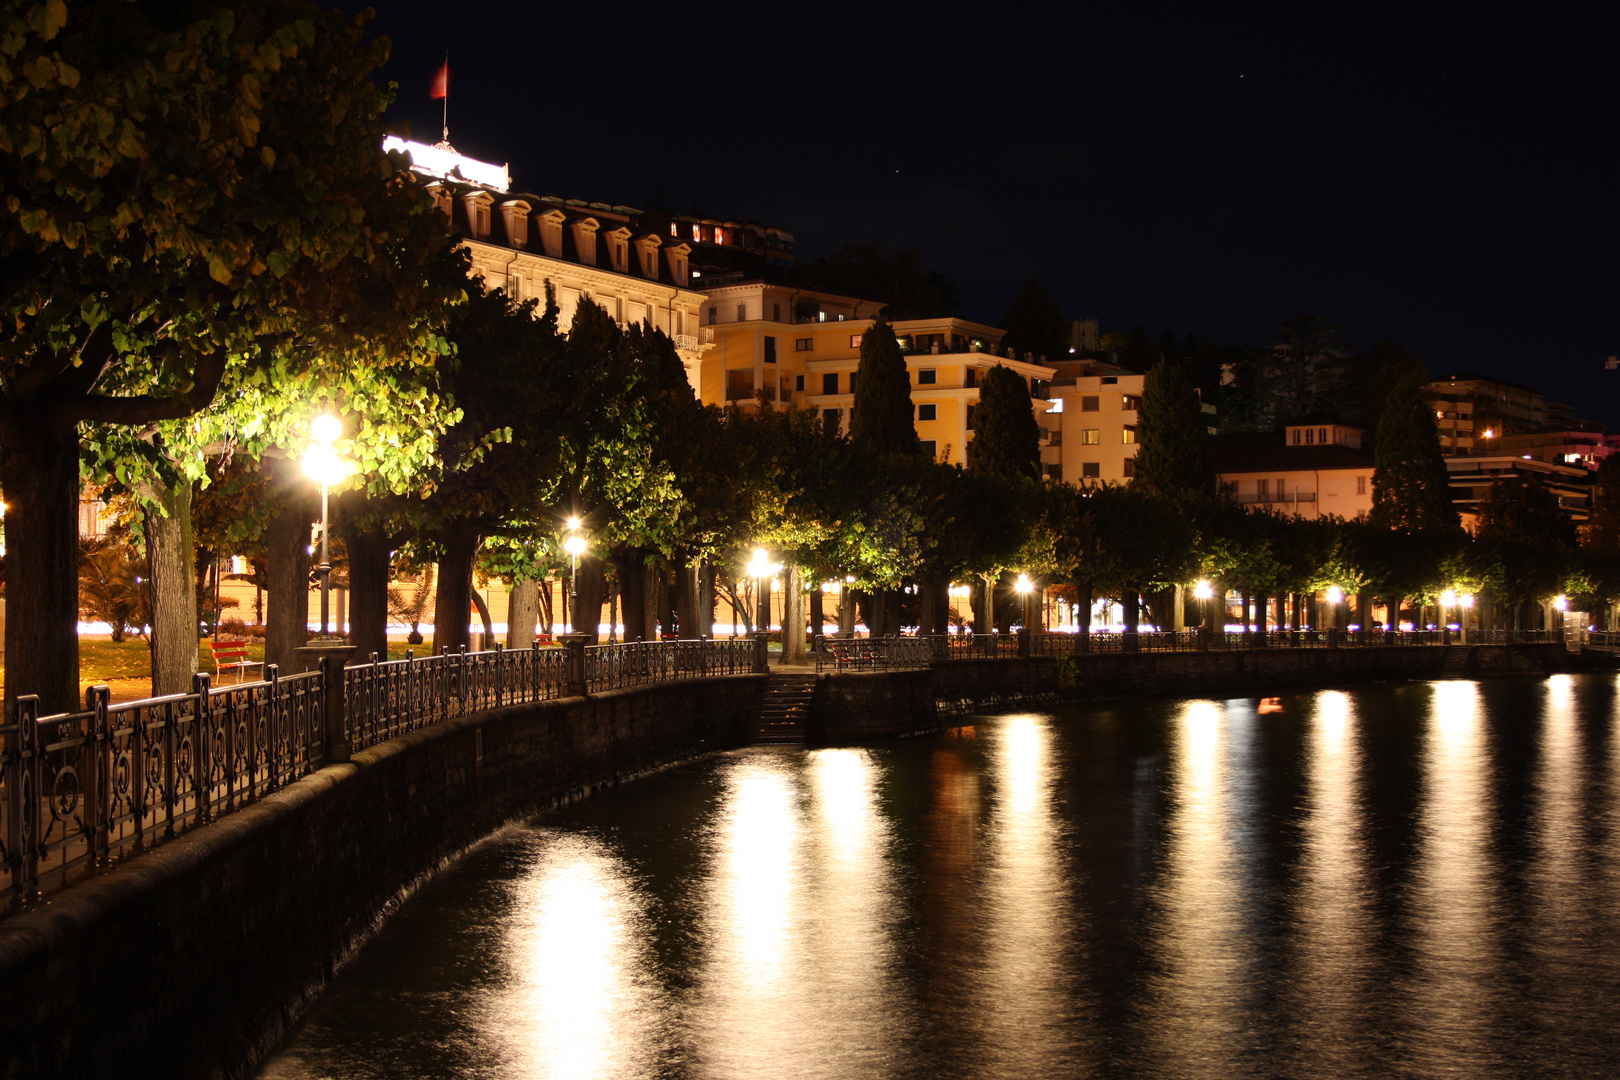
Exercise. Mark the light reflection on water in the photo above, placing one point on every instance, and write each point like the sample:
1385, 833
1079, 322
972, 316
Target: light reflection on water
1416, 880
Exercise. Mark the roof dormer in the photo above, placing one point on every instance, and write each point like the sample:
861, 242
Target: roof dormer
478, 204
550, 225
516, 215
442, 200
647, 255
619, 248
585, 239
676, 255
1323, 431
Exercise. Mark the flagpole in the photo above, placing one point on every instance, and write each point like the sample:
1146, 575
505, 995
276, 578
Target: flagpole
446, 116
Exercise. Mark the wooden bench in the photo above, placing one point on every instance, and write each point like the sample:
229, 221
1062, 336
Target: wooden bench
232, 654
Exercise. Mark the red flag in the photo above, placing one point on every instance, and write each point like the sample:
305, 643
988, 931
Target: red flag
440, 87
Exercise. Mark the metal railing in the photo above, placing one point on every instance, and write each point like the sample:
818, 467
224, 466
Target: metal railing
640, 663
80, 789
894, 653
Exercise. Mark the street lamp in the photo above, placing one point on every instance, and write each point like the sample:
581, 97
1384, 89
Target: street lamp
1335, 597
1024, 587
759, 568
1203, 592
322, 465
575, 546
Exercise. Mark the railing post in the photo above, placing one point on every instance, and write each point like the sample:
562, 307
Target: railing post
332, 706
1333, 637
202, 746
1203, 638
1023, 642
575, 679
25, 802
762, 656
96, 773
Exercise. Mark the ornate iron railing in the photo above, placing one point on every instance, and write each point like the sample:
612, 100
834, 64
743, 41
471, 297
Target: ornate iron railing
639, 663
876, 653
80, 789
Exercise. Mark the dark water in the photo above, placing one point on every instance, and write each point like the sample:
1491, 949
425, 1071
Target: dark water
1404, 880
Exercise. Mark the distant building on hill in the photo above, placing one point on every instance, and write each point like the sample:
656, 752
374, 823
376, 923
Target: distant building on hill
1313, 466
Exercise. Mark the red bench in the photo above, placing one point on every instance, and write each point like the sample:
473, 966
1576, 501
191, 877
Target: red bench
232, 654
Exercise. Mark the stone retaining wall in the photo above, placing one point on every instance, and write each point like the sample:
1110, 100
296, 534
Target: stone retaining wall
195, 959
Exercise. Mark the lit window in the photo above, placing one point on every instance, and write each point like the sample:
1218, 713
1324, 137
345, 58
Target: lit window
1310, 436
854, 341
1129, 434
672, 229
1132, 403
1090, 404
927, 412
1090, 436
1321, 436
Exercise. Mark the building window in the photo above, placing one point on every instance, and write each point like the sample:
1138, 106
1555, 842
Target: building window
1321, 436
1310, 437
1090, 470
1296, 436
1090, 404
926, 376
1361, 485
1132, 403
770, 349
854, 341
1128, 435
1110, 380
1282, 486
804, 344
1262, 489
1130, 467
928, 447
1090, 436
652, 265
927, 412
776, 313
514, 286
829, 383
971, 410
798, 384
714, 315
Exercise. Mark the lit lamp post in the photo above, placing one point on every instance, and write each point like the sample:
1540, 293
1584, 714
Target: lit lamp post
1335, 597
322, 465
1448, 600
1203, 592
760, 568
1025, 589
1466, 602
1561, 604
575, 546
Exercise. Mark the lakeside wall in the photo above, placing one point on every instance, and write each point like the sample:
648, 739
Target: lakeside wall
195, 959
854, 706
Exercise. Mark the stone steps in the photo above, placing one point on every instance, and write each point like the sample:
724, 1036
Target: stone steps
1455, 663
782, 708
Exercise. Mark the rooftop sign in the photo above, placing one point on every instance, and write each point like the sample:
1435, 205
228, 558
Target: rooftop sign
443, 162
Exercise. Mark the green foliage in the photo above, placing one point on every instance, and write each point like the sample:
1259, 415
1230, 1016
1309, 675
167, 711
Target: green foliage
1120, 538
907, 288
1035, 324
1173, 457
110, 586
1411, 488
1006, 438
1303, 373
1528, 538
880, 420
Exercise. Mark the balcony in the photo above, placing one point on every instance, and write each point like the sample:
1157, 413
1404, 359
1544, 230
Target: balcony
748, 393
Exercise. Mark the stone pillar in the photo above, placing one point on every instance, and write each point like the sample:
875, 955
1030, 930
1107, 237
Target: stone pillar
1023, 642
1178, 609
330, 655
762, 655
575, 644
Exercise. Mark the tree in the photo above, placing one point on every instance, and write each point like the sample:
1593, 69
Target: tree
189, 187
1369, 377
1525, 533
880, 420
1035, 324
1303, 372
908, 289
1006, 438
1411, 488
1173, 454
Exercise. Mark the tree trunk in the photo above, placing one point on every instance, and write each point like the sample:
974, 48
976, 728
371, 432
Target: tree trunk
1082, 588
522, 611
482, 607
846, 610
369, 564
818, 617
39, 471
287, 552
452, 597
983, 619
664, 610
170, 563
1131, 601
705, 600
792, 616
589, 596
929, 614
687, 621
632, 566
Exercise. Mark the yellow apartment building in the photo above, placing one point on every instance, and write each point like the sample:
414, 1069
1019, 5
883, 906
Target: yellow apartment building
794, 347
1096, 406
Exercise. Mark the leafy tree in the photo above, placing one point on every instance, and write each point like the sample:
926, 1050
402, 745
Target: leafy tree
908, 289
880, 420
1034, 323
1530, 539
1006, 438
1411, 488
1173, 457
1118, 541
189, 188
1303, 372
1369, 377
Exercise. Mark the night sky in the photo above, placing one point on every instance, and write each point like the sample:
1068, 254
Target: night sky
1446, 180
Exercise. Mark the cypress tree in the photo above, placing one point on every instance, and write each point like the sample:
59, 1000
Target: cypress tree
1006, 438
1411, 488
1173, 456
880, 420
